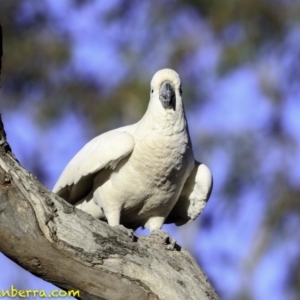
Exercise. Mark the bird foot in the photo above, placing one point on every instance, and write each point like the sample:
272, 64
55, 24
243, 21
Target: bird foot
129, 232
165, 236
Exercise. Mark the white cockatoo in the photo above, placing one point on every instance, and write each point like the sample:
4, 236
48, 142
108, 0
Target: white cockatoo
143, 174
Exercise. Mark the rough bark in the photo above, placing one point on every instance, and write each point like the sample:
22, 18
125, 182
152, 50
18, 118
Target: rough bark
69, 248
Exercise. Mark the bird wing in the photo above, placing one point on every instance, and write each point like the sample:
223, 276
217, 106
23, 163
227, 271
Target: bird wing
103, 152
195, 193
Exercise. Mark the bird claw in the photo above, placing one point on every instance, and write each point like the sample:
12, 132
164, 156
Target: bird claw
167, 239
129, 232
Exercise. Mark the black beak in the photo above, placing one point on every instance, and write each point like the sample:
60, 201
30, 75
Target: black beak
167, 95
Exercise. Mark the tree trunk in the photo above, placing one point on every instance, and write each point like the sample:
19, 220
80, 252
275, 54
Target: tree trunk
69, 248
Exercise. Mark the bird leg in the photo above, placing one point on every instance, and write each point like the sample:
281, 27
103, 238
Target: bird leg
154, 224
165, 236
127, 231
113, 219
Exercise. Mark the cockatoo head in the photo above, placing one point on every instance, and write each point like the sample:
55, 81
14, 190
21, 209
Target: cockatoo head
166, 86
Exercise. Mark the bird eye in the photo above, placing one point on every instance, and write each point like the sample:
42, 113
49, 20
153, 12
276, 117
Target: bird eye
180, 91
152, 91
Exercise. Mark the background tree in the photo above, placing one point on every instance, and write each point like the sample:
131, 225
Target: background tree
83, 74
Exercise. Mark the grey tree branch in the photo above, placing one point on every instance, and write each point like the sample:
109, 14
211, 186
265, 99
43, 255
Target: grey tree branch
69, 248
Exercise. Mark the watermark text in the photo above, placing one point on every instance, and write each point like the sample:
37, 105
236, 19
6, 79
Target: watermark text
14, 292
